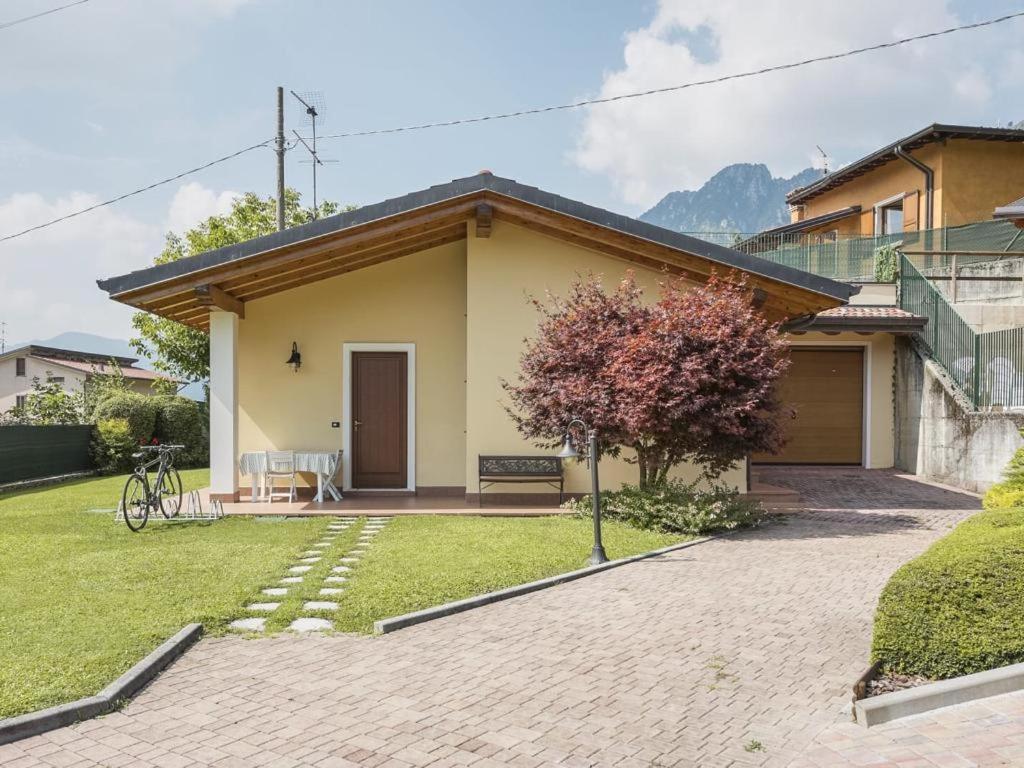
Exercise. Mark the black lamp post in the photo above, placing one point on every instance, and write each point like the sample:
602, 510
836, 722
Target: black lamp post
597, 554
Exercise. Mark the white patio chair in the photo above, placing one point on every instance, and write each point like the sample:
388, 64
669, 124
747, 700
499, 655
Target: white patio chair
280, 466
329, 485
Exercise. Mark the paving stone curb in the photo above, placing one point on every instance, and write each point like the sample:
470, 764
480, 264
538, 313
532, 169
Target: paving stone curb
958, 690
107, 700
394, 623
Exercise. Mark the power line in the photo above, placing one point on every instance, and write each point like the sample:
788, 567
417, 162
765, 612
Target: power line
138, 191
520, 113
6, 24
671, 88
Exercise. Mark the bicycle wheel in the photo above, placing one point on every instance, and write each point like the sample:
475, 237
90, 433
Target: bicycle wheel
170, 493
135, 503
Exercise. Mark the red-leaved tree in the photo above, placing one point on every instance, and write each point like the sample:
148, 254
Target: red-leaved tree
690, 378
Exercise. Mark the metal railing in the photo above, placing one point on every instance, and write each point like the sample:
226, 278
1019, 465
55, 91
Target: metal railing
852, 259
987, 367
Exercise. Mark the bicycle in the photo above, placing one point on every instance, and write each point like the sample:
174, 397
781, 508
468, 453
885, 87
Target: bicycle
139, 497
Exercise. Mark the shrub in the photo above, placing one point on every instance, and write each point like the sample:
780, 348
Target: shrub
886, 264
112, 446
1003, 495
956, 609
138, 410
676, 507
180, 421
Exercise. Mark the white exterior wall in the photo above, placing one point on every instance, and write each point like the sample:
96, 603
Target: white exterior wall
11, 386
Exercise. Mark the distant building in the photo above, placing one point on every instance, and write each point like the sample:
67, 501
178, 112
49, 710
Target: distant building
941, 176
68, 367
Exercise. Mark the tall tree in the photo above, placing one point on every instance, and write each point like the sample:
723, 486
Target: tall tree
689, 378
184, 352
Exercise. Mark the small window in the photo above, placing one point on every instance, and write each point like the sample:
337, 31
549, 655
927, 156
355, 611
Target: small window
892, 218
19, 401
55, 379
19, 366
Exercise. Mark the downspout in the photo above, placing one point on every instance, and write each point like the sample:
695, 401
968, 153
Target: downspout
929, 182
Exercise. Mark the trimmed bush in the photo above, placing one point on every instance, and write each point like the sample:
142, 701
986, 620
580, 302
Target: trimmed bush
112, 446
179, 421
676, 507
1003, 495
956, 609
138, 410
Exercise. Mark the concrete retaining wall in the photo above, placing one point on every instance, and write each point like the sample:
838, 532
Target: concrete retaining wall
939, 437
994, 292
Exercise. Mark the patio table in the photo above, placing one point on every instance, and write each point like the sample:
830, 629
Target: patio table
322, 463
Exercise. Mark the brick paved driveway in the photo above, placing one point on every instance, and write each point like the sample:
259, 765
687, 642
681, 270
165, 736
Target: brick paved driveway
739, 651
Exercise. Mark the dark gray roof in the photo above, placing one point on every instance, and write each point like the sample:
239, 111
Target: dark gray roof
1014, 210
467, 186
800, 226
934, 132
73, 355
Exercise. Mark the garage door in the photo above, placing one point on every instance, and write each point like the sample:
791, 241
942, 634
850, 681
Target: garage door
826, 389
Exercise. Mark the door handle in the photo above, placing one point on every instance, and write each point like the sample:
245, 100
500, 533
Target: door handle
357, 423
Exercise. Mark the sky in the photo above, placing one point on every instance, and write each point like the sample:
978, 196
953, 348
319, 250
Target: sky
112, 95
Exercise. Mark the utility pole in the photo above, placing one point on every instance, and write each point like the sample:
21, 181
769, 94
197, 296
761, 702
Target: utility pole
280, 158
3, 337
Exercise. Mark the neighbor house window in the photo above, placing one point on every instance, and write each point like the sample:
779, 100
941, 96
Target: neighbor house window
889, 216
55, 379
19, 366
892, 219
19, 401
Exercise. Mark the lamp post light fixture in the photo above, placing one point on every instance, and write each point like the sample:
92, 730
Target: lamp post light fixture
295, 361
597, 554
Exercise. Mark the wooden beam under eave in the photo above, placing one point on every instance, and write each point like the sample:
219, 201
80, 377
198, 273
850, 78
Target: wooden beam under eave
484, 219
211, 296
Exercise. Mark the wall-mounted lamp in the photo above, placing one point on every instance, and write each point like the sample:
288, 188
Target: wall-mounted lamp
295, 361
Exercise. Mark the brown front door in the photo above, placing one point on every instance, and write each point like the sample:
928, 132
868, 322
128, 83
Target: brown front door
379, 407
826, 389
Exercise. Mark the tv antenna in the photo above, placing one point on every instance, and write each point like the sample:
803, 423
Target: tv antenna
824, 160
313, 103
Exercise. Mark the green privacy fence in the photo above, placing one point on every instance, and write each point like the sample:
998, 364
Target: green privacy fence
987, 367
29, 453
853, 259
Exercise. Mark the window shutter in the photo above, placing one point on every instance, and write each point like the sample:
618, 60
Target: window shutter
911, 211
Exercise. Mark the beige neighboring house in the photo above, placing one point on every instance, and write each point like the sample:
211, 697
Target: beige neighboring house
68, 367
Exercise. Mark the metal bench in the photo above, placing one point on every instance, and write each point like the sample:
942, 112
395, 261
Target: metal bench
520, 469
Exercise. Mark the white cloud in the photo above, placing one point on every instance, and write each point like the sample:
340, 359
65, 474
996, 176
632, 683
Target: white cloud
653, 145
193, 203
48, 278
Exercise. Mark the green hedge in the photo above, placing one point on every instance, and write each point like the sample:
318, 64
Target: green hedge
138, 410
959, 607
180, 421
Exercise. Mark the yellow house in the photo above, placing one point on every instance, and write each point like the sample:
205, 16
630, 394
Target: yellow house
940, 176
407, 315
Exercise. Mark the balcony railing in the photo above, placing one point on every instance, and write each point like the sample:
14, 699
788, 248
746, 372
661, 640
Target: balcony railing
853, 259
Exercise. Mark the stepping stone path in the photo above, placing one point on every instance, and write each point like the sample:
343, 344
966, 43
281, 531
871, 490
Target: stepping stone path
319, 605
310, 625
249, 625
318, 552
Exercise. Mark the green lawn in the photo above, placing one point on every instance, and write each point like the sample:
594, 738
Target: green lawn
417, 562
959, 607
83, 599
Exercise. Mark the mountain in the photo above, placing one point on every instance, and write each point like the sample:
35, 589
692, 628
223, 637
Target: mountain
743, 197
87, 342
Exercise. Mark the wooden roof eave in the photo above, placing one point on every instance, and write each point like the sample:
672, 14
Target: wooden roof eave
384, 239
